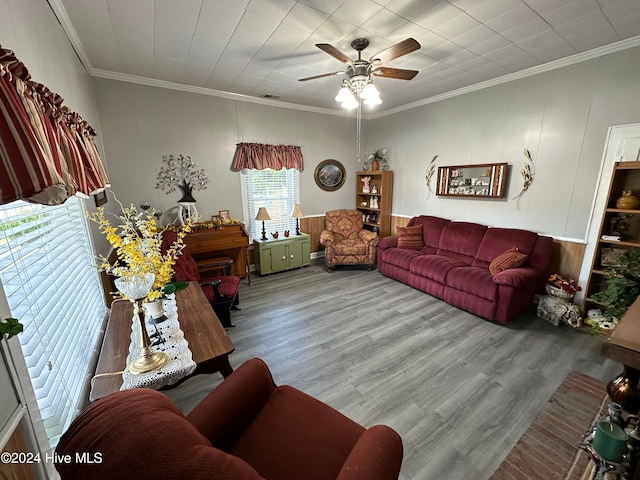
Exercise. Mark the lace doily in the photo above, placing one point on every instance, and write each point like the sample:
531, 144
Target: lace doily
179, 362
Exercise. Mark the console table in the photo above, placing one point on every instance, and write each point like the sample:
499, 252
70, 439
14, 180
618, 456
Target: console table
231, 241
207, 340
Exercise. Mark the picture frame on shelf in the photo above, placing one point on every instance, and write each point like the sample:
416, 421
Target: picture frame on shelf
224, 215
330, 175
215, 218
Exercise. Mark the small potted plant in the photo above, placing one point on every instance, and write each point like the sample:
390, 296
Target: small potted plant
10, 327
558, 286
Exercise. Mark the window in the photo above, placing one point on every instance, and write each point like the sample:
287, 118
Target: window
278, 191
48, 275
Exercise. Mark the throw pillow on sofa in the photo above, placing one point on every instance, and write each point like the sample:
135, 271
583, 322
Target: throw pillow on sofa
512, 258
410, 237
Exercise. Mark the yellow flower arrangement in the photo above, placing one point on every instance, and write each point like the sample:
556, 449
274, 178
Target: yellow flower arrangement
137, 242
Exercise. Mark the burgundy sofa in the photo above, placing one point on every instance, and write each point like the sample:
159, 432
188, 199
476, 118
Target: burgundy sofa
454, 265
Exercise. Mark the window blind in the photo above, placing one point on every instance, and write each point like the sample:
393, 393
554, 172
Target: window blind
48, 275
276, 190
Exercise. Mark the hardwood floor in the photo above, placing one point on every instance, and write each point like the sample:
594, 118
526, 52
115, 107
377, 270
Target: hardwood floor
460, 390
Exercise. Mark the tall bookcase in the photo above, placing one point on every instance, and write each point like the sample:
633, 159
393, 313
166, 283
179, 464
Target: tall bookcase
376, 219
625, 222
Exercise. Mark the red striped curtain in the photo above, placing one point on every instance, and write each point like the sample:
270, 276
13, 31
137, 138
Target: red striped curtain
258, 156
47, 152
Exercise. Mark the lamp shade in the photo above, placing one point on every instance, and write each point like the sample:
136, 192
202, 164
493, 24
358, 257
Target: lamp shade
297, 211
263, 214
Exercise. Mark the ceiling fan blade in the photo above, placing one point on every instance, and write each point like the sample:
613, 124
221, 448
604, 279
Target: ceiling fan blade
334, 52
399, 49
399, 73
321, 76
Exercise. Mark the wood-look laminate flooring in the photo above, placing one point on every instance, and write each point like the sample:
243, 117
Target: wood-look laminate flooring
460, 390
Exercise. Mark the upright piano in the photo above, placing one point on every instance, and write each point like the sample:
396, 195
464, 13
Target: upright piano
229, 240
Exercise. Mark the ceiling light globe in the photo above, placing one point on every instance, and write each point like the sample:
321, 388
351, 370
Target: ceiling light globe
369, 91
373, 101
350, 103
343, 94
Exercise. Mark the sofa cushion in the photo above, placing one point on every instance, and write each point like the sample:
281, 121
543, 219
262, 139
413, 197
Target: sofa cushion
474, 280
512, 258
461, 240
435, 267
431, 229
399, 257
498, 240
410, 237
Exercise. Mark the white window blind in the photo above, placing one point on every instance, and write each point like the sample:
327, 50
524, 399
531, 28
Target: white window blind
48, 275
277, 191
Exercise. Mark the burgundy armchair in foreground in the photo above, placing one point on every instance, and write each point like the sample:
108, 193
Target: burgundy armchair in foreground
245, 429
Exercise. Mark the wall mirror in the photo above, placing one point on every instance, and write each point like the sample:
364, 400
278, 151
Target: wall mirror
487, 180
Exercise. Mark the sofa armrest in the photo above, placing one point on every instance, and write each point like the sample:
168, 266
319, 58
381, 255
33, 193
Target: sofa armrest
326, 238
369, 237
377, 455
518, 277
226, 412
388, 242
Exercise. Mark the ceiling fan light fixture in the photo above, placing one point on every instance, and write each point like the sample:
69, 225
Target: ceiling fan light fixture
350, 103
343, 94
373, 101
369, 91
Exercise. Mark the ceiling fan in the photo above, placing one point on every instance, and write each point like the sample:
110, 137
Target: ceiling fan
362, 69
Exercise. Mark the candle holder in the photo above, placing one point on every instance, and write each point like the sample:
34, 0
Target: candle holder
135, 289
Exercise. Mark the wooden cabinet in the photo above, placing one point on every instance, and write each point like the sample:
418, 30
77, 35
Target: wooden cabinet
277, 255
481, 181
619, 228
375, 205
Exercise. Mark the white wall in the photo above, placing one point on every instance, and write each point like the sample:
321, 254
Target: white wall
561, 116
140, 124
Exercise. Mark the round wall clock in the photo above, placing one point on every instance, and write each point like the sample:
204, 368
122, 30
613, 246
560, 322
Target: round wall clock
330, 175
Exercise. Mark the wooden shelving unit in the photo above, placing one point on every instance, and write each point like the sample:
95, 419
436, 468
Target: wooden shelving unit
376, 219
626, 176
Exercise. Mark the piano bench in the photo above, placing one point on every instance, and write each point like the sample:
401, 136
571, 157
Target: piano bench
222, 264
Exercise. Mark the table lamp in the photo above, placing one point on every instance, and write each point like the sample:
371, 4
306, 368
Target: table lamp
263, 215
135, 289
297, 213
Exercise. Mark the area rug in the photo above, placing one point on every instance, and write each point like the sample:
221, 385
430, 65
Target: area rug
549, 448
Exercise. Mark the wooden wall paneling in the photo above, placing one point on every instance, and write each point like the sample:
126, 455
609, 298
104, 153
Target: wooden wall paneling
313, 226
398, 222
18, 471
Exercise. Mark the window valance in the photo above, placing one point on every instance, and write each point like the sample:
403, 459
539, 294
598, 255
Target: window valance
258, 156
47, 152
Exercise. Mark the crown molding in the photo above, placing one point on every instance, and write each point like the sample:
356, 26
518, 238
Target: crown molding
546, 67
61, 14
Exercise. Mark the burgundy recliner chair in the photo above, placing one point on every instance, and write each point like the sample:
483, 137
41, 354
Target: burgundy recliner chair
245, 429
221, 291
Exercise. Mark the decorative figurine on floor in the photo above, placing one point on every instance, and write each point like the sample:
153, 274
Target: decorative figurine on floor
365, 184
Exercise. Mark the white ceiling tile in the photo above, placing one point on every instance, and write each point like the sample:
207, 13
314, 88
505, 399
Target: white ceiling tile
474, 36
591, 38
457, 26
489, 9
271, 9
439, 14
174, 44
539, 40
410, 9
444, 50
422, 35
171, 16
325, 6
195, 74
526, 29
507, 20
282, 43
460, 57
582, 23
619, 9
356, 12
543, 6
384, 23
221, 12
131, 17
252, 31
571, 11
628, 26
494, 43
552, 51
334, 30
305, 18
167, 68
